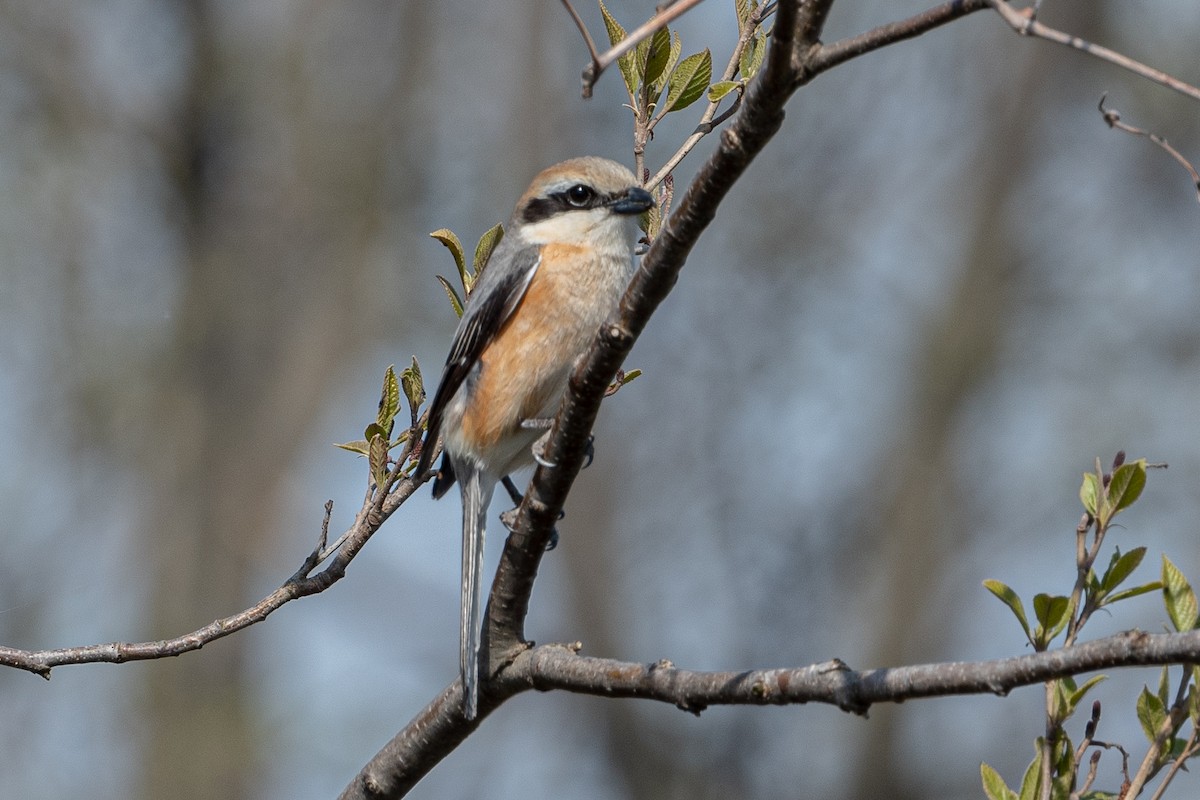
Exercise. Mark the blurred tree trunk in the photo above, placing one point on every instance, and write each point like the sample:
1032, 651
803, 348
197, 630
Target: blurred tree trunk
285, 198
913, 521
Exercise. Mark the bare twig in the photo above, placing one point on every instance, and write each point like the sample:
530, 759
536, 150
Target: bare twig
1113, 118
301, 584
587, 40
1023, 23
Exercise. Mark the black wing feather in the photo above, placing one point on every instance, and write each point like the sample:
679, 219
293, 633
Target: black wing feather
491, 303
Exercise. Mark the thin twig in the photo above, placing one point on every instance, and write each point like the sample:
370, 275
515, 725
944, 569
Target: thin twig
1024, 24
301, 584
1113, 118
587, 39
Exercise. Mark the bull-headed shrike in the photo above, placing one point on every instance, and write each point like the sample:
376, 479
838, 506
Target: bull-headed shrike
556, 276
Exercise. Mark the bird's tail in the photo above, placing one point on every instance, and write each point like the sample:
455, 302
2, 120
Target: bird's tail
476, 496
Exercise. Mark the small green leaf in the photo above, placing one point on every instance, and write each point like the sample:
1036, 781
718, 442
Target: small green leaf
1031, 784
361, 447
749, 70
1061, 700
373, 430
1151, 713
1134, 592
1010, 599
657, 55
746, 60
1052, 613
672, 59
1126, 485
1179, 597
1164, 688
483, 251
1089, 493
1078, 694
447, 237
1121, 567
378, 458
720, 89
455, 302
626, 62
743, 9
389, 403
414, 388
620, 380
688, 81
1064, 765
993, 785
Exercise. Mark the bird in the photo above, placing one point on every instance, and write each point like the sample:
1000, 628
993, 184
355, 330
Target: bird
557, 274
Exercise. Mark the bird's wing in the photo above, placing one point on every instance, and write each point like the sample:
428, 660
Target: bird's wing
490, 304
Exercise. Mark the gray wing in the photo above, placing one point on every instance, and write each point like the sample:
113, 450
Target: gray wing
492, 301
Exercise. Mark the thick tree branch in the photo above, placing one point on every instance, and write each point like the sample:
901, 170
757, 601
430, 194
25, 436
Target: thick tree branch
550, 667
439, 727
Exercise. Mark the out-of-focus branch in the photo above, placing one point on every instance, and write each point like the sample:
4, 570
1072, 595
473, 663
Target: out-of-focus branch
1113, 118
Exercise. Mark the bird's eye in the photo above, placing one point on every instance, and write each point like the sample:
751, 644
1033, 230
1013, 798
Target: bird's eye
580, 195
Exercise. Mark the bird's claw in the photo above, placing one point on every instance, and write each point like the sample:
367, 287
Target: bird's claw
509, 520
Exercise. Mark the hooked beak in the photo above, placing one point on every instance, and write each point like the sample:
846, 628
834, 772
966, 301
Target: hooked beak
635, 200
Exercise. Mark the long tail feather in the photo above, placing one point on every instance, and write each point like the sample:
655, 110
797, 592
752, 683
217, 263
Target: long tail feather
476, 496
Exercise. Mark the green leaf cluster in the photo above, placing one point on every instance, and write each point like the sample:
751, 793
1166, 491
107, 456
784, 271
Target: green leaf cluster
1103, 502
466, 277
754, 50
1162, 717
1062, 779
377, 443
654, 66
1052, 613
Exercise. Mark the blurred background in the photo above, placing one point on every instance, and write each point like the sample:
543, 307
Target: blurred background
944, 289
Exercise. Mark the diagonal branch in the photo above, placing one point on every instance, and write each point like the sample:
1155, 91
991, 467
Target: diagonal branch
440, 726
